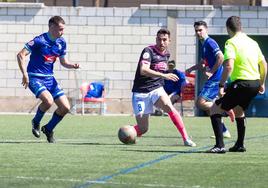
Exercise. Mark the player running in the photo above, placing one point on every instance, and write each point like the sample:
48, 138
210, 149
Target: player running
39, 77
148, 87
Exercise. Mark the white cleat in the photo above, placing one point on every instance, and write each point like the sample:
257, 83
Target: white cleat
189, 143
226, 134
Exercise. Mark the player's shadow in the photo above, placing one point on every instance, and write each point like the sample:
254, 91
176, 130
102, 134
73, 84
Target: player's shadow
22, 142
90, 143
167, 151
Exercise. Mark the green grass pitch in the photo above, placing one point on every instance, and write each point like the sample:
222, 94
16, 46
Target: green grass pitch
89, 154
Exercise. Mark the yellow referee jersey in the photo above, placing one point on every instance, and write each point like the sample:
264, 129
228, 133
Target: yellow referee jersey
246, 54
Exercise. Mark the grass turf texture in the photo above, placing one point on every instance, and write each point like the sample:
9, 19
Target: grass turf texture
89, 154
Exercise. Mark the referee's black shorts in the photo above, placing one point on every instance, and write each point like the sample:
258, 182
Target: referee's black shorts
239, 92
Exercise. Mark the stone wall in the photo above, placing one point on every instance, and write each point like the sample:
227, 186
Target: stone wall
107, 43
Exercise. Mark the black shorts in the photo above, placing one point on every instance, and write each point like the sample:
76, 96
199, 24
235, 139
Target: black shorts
239, 92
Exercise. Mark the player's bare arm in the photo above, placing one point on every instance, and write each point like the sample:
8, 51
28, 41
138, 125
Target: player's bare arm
21, 58
65, 63
219, 61
146, 71
198, 66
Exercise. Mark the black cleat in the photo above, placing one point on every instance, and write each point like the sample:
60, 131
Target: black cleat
36, 129
49, 135
237, 148
216, 149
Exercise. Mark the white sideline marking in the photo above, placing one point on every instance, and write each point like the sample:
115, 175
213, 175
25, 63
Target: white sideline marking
42, 140
41, 178
95, 182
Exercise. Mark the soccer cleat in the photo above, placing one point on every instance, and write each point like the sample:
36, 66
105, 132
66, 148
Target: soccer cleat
237, 148
231, 115
216, 149
49, 135
36, 129
226, 134
189, 142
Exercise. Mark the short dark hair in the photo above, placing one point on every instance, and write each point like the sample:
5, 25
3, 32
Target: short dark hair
234, 23
163, 31
55, 20
199, 23
172, 62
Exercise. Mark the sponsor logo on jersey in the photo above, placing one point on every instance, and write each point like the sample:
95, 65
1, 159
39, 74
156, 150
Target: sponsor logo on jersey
50, 59
59, 46
161, 66
146, 55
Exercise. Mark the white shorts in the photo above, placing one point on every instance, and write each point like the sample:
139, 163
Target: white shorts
143, 103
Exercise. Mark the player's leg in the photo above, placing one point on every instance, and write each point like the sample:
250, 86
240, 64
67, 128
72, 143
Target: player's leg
174, 98
142, 107
206, 99
165, 104
63, 108
38, 88
216, 121
47, 101
142, 124
246, 90
241, 130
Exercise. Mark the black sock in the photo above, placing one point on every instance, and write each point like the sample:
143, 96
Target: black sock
217, 128
241, 129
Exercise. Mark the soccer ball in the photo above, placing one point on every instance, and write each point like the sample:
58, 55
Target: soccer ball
127, 134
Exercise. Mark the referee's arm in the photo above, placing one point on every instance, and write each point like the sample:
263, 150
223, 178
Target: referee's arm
228, 66
263, 73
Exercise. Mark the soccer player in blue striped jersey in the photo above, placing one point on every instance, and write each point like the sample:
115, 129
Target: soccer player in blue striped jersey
39, 77
211, 64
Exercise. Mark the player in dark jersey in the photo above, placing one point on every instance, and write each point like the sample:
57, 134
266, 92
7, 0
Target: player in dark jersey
44, 50
211, 64
148, 86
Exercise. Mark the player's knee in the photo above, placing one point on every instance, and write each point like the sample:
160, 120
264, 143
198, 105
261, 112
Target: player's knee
215, 109
48, 102
65, 109
168, 108
199, 104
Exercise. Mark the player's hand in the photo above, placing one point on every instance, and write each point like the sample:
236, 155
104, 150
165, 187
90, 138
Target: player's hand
208, 74
262, 89
25, 81
221, 92
188, 71
76, 66
171, 76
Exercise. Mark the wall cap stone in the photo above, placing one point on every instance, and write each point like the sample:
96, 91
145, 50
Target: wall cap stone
177, 7
22, 5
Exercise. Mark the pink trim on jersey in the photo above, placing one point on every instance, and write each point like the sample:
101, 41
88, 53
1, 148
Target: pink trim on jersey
145, 62
156, 49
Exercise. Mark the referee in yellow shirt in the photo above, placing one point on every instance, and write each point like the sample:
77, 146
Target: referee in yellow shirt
246, 67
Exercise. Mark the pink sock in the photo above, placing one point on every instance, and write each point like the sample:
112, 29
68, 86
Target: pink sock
176, 119
139, 133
